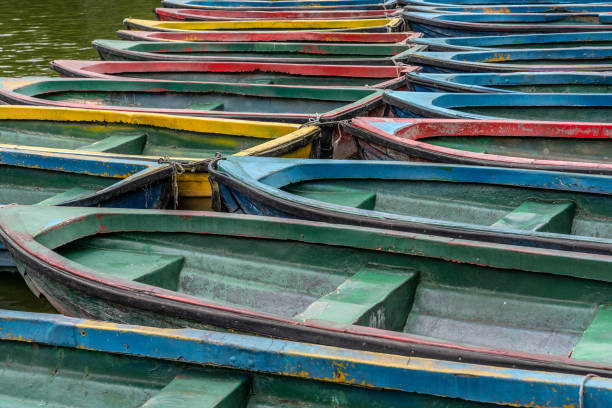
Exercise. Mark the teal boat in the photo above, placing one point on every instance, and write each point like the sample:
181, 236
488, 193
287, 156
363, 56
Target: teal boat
522, 41
560, 107
513, 60
528, 82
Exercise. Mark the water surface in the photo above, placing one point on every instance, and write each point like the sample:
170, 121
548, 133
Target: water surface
34, 32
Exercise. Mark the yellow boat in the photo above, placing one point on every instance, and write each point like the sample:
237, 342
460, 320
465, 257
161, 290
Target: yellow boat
364, 25
188, 143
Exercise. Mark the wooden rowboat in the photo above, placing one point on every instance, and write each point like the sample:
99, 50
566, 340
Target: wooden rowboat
301, 53
55, 360
526, 41
596, 8
362, 25
236, 101
425, 295
530, 82
280, 4
521, 106
270, 36
473, 24
510, 206
468, 3
566, 60
174, 14
556, 146
142, 137
323, 106
240, 72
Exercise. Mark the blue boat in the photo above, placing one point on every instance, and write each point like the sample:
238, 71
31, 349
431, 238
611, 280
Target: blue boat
281, 4
449, 3
536, 82
423, 198
40, 177
524, 41
53, 360
523, 8
560, 59
483, 24
523, 106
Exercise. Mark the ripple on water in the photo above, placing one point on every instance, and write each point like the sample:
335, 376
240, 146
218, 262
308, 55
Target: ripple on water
45, 30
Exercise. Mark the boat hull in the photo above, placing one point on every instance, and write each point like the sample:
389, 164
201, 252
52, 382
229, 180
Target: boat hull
317, 54
78, 294
372, 25
500, 106
269, 36
243, 72
239, 5
512, 83
530, 60
525, 41
399, 140
173, 14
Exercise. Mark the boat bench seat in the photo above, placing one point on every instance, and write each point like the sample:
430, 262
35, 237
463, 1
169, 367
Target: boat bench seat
122, 144
218, 106
373, 297
340, 195
191, 389
153, 269
594, 345
534, 215
67, 195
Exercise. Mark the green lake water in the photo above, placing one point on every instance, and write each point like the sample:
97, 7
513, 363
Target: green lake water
35, 32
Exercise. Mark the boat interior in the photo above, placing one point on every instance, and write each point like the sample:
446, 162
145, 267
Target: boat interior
463, 303
36, 374
123, 139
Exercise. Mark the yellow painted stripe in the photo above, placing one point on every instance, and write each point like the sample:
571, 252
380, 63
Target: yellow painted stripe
265, 24
264, 130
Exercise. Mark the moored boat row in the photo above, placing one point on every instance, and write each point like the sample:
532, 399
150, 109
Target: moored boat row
398, 219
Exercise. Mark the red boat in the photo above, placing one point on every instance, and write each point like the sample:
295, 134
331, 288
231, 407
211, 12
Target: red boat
172, 14
270, 36
553, 146
388, 77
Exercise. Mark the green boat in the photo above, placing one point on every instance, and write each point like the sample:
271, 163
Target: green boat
56, 361
294, 104
361, 288
148, 137
289, 53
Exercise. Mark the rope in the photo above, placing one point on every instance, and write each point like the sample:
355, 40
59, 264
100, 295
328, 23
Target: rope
398, 66
581, 391
178, 169
316, 121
